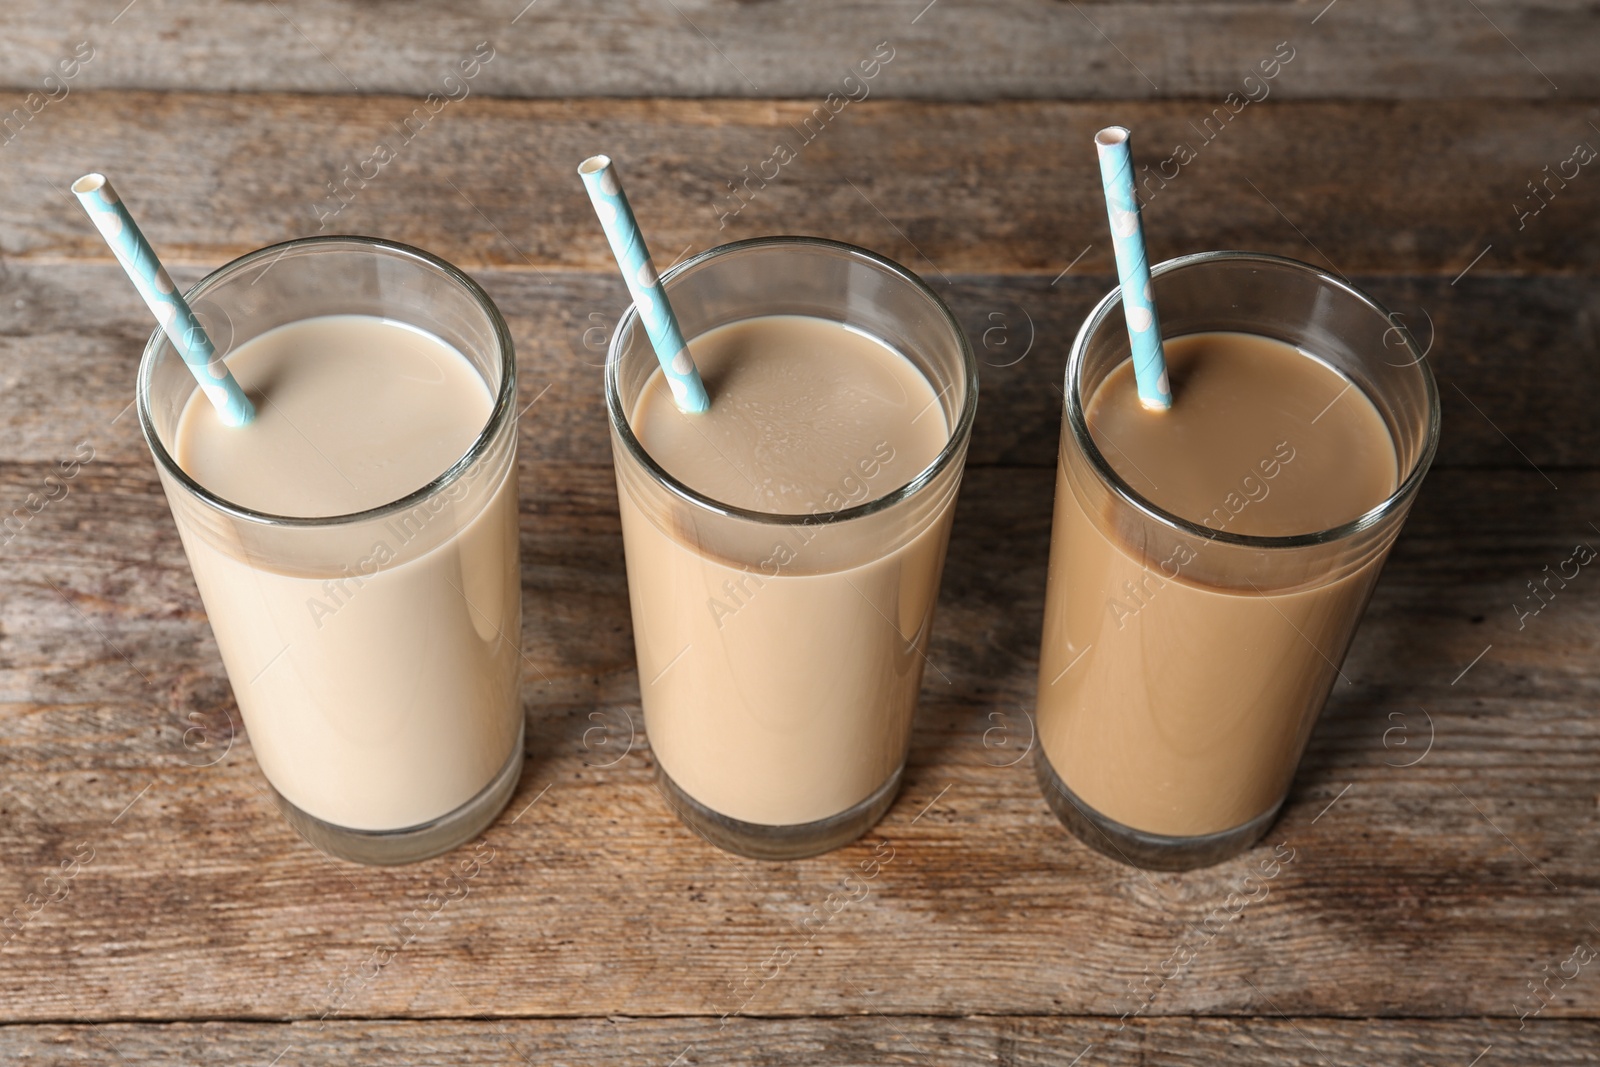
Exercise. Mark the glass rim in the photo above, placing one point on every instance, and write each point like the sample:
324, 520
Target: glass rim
953, 446
1404, 489
505, 394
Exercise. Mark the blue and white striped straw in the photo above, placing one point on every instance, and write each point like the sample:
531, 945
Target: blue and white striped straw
633, 259
110, 216
1133, 267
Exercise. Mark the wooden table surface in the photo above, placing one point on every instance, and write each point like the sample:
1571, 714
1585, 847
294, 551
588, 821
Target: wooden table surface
1442, 904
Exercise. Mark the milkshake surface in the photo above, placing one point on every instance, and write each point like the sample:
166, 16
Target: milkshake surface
1175, 705
778, 689
380, 692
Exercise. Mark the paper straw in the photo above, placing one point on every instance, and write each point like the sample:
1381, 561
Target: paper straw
1133, 267
633, 259
110, 216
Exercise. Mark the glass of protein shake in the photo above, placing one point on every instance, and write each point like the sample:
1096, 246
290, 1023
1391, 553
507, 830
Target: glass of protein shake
784, 548
1209, 563
355, 545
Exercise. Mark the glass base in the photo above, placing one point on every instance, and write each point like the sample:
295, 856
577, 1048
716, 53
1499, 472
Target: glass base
759, 841
1156, 852
386, 848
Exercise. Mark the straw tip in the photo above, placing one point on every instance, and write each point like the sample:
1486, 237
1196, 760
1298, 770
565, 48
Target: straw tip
594, 164
1112, 136
89, 183
241, 413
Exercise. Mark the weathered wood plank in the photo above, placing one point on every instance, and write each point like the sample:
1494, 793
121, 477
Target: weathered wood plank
958, 49
1517, 360
1008, 187
869, 1041
1436, 889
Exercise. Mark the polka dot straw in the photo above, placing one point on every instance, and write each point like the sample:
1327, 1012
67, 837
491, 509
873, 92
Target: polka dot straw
110, 216
633, 259
1133, 267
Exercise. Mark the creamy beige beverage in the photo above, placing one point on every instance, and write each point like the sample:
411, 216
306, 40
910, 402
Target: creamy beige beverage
1180, 707
382, 696
782, 693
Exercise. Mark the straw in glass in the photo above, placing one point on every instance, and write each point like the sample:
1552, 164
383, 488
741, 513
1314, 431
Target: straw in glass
1133, 267
110, 216
633, 259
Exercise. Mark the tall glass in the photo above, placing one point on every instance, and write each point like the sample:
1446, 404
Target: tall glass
1168, 737
375, 656
780, 729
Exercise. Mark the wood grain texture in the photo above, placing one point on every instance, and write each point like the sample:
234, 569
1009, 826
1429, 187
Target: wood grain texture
1436, 889
951, 49
949, 189
1518, 361
1442, 826
868, 1041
